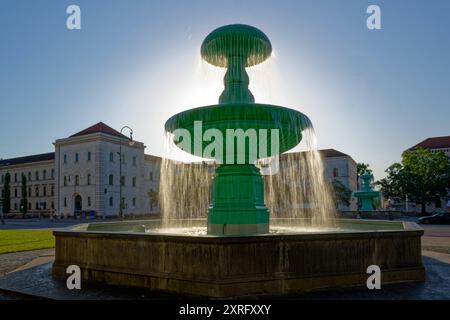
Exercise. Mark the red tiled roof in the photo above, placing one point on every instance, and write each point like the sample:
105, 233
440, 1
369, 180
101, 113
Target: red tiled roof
330, 153
326, 153
99, 127
433, 143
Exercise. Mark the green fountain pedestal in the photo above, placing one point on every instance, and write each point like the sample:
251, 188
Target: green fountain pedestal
237, 206
366, 194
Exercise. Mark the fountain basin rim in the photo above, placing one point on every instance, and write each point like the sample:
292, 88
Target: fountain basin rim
409, 228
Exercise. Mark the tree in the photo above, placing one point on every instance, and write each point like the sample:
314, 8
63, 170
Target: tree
154, 198
342, 194
24, 199
361, 168
423, 177
6, 194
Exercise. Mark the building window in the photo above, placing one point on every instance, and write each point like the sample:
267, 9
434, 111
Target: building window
52, 190
53, 205
15, 193
44, 175
77, 157
134, 182
335, 172
111, 157
29, 205
65, 181
65, 158
65, 202
89, 179
37, 175
134, 202
77, 180
110, 201
151, 176
111, 180
36, 190
122, 180
45, 191
15, 206
29, 192
89, 156
29, 176
134, 161
37, 205
15, 177
89, 201
53, 173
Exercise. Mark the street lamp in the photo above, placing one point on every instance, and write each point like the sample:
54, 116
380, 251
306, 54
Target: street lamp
131, 143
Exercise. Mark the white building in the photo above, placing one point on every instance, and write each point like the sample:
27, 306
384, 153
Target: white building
83, 176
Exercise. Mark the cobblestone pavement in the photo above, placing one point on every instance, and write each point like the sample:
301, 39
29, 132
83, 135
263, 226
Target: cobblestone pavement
12, 261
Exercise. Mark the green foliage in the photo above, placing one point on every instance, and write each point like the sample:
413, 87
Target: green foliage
6, 194
154, 197
24, 199
423, 176
362, 167
342, 194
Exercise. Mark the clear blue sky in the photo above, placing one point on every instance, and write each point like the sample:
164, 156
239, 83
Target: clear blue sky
370, 94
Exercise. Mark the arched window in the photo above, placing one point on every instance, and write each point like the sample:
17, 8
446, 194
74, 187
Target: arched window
45, 191
77, 157
110, 201
89, 156
65, 202
111, 157
111, 180
134, 202
65, 158
134, 182
89, 179
36, 190
77, 180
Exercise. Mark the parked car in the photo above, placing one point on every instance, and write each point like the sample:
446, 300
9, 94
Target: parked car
437, 218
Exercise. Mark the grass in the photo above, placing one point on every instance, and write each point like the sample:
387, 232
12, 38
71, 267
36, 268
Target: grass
25, 240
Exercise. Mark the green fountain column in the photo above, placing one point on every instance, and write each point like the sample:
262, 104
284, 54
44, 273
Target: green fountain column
366, 193
237, 206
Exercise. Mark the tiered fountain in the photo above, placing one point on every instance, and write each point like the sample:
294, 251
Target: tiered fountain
240, 254
366, 193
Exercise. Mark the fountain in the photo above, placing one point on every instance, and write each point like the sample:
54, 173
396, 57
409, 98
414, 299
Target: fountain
366, 193
240, 248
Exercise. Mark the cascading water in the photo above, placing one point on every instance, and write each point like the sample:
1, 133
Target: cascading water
232, 194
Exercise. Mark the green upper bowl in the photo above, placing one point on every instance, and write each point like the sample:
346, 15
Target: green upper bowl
236, 40
289, 122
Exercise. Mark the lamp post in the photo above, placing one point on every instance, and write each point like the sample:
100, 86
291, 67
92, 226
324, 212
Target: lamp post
131, 143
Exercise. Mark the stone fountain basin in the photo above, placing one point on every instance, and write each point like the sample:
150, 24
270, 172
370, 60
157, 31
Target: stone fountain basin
220, 267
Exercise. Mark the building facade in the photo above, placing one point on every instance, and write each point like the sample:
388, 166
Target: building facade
84, 176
